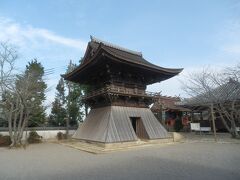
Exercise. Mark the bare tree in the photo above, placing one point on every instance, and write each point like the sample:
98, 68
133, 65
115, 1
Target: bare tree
8, 56
16, 94
220, 90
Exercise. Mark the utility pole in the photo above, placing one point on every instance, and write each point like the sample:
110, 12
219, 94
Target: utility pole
67, 126
68, 114
213, 122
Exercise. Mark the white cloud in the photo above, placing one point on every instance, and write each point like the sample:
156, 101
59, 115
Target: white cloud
230, 38
52, 50
26, 35
233, 49
174, 86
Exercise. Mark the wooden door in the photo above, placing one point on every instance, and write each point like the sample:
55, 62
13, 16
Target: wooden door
139, 128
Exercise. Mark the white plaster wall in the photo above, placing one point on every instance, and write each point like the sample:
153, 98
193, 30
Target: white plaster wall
47, 134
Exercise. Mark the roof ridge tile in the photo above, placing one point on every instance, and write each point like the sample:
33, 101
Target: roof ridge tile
115, 46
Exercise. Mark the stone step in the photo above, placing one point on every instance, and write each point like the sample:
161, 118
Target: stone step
97, 149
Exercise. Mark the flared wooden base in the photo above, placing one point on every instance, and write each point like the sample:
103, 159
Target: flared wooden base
114, 124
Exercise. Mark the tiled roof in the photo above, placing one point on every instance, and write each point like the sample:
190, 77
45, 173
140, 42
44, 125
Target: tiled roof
128, 55
167, 103
97, 47
227, 92
93, 39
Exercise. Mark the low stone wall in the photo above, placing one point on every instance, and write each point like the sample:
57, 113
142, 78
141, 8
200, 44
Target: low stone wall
178, 137
46, 134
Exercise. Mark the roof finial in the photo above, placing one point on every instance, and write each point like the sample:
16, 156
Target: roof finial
114, 46
91, 37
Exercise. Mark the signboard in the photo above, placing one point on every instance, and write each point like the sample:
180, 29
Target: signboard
195, 126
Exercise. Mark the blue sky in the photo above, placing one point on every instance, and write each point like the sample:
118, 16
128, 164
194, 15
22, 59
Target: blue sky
170, 33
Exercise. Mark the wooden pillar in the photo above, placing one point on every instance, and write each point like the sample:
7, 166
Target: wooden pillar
213, 121
201, 120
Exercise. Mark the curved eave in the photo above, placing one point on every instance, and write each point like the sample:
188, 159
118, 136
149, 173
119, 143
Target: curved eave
146, 65
82, 66
169, 71
102, 51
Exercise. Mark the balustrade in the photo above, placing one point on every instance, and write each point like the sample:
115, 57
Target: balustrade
120, 90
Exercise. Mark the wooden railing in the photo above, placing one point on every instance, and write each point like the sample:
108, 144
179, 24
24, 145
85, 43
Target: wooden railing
121, 90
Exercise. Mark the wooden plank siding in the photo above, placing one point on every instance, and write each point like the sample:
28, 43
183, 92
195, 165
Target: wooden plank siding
112, 124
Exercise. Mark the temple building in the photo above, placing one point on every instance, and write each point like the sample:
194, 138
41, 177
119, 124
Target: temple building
117, 78
167, 111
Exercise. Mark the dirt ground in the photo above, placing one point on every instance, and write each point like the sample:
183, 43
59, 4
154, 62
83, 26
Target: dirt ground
189, 160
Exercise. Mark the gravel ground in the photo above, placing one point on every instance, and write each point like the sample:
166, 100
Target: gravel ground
176, 161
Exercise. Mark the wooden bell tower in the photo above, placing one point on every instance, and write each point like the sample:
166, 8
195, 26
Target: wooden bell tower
119, 102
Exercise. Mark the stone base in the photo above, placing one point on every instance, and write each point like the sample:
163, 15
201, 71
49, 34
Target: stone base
98, 148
